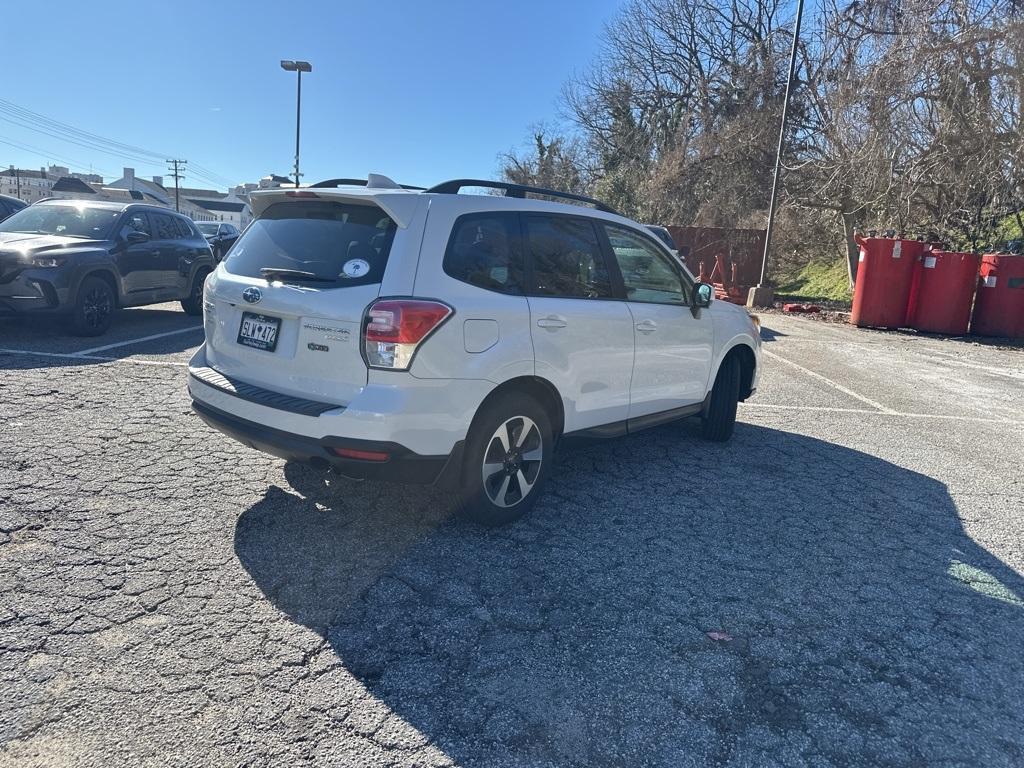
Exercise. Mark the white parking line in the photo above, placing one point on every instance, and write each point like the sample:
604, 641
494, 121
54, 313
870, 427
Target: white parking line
104, 348
878, 406
863, 411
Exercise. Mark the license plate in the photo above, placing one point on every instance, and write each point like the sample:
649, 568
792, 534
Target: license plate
259, 331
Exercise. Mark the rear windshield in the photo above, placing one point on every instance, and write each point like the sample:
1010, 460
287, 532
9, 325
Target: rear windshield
344, 243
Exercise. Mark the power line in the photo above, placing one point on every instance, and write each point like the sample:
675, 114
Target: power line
34, 121
176, 175
72, 164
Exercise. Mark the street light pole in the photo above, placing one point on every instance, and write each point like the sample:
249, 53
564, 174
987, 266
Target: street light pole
762, 295
298, 67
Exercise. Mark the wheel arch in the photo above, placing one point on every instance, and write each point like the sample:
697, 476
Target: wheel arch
103, 273
742, 350
540, 389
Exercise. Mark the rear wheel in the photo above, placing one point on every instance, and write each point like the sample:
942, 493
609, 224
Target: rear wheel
94, 308
506, 461
193, 305
720, 420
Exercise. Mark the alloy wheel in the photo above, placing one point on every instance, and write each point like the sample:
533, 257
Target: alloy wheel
96, 307
512, 461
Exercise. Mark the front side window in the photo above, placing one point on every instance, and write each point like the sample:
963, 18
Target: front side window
566, 258
484, 251
647, 272
318, 240
136, 222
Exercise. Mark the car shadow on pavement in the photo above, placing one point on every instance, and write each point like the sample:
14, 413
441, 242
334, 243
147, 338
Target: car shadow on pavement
853, 621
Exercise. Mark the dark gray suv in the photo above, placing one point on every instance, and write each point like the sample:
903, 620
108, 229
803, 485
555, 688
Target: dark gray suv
84, 259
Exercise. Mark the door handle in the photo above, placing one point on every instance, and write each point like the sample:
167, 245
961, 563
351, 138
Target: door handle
647, 326
552, 321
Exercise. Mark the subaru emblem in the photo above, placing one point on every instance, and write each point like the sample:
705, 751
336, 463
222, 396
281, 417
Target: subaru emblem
252, 295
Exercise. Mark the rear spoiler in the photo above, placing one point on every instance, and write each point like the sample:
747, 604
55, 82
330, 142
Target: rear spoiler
399, 204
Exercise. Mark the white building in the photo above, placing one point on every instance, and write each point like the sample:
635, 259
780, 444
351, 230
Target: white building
32, 186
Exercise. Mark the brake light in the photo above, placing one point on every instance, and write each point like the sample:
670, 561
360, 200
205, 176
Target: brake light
394, 329
301, 193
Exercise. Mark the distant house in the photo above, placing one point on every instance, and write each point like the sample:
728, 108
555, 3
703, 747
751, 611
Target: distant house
68, 187
229, 208
155, 192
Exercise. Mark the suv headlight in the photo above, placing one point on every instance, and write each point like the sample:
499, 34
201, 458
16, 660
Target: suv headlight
47, 261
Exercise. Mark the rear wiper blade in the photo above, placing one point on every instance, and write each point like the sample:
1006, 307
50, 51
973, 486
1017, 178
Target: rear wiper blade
294, 274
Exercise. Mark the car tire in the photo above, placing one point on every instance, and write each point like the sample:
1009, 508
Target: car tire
509, 445
94, 308
193, 305
720, 419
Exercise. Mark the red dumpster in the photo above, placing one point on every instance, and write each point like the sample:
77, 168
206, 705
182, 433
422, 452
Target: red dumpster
999, 308
884, 275
942, 291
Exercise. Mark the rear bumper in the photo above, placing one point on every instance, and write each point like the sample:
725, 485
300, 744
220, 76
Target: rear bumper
402, 465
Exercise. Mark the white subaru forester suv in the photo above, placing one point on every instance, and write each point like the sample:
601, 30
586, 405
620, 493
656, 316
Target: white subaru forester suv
428, 336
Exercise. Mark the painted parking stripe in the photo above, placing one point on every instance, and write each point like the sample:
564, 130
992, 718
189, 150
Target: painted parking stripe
856, 395
863, 411
128, 343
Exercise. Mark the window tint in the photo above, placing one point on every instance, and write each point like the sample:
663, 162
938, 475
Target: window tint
647, 272
184, 229
343, 242
138, 222
483, 250
165, 228
566, 258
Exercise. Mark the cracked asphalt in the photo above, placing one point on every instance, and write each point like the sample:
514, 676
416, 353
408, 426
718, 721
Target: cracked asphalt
171, 598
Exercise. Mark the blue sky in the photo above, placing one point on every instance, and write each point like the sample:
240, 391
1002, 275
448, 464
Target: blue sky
421, 91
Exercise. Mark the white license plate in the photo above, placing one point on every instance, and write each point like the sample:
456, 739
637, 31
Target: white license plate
259, 331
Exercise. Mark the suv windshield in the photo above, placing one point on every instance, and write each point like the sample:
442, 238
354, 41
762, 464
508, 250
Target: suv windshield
347, 243
64, 220
207, 227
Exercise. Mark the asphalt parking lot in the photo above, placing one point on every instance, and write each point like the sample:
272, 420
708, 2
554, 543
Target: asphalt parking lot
168, 597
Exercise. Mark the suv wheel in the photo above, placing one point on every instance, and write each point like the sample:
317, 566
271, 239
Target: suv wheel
93, 309
193, 305
720, 419
508, 454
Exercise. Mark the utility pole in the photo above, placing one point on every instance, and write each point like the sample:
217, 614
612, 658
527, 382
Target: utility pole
762, 295
174, 170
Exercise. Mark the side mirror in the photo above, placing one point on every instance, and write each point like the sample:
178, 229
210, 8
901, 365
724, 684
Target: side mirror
135, 237
702, 295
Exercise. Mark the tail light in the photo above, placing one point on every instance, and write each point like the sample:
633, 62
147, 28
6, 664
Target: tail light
394, 329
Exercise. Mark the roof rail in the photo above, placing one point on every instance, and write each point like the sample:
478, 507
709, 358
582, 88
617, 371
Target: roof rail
332, 183
515, 190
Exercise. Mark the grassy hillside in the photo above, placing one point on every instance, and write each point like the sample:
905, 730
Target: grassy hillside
818, 280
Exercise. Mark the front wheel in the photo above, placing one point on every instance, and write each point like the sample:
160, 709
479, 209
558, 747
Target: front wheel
720, 420
508, 454
94, 308
193, 305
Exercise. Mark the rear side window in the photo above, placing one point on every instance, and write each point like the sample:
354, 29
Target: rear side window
183, 229
344, 243
566, 258
165, 227
484, 251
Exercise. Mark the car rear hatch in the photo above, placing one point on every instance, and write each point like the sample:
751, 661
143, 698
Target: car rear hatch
285, 309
